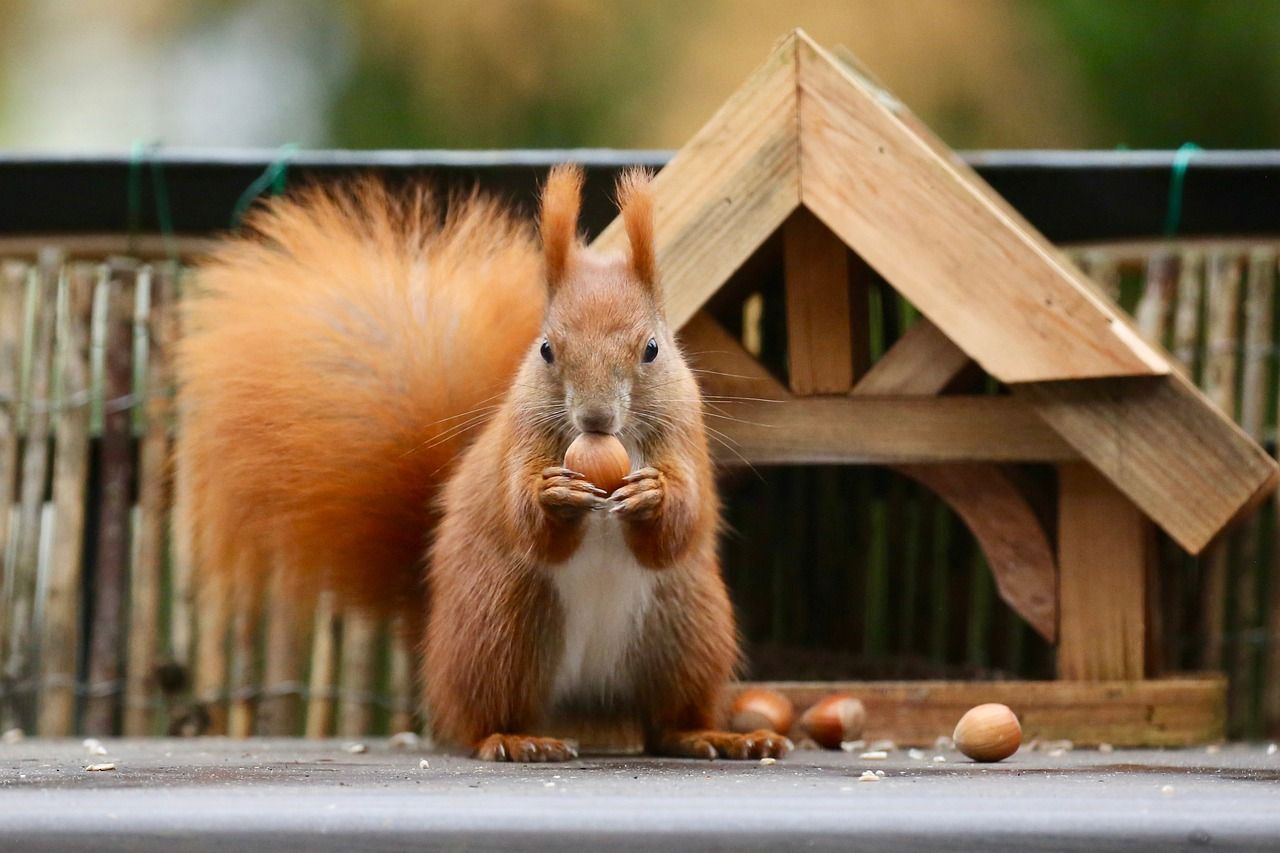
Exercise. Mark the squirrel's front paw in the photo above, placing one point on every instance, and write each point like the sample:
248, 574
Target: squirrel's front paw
567, 494
641, 497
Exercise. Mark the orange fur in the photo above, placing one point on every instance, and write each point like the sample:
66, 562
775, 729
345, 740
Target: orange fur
635, 201
561, 201
334, 362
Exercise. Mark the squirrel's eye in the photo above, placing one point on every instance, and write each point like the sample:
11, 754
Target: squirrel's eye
547, 355
650, 351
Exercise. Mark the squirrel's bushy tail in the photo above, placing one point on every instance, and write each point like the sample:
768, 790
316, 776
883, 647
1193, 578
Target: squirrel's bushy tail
334, 361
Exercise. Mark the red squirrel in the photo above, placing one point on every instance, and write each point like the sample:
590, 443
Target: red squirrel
365, 378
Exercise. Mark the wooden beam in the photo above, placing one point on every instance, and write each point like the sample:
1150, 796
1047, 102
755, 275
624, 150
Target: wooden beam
1184, 463
923, 361
819, 332
727, 190
1014, 542
932, 229
1104, 545
985, 496
1159, 713
890, 430
723, 367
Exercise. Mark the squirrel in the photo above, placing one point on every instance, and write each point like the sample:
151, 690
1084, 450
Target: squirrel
376, 392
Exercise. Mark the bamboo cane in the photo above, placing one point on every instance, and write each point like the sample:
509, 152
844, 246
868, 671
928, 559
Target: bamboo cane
115, 466
1154, 317
400, 678
153, 505
1246, 695
359, 673
13, 300
1221, 350
61, 631
280, 709
243, 686
182, 611
324, 668
21, 659
213, 617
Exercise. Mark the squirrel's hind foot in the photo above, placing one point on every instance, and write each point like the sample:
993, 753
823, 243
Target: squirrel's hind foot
524, 749
710, 743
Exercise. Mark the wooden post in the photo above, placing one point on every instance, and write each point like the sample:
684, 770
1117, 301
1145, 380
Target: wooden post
1104, 543
819, 337
116, 472
61, 631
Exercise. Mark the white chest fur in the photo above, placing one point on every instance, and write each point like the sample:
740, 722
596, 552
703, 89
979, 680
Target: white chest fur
604, 594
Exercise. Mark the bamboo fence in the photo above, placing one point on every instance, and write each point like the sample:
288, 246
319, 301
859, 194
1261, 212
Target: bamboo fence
836, 572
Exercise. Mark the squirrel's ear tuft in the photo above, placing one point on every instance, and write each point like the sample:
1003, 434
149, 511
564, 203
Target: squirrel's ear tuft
635, 201
561, 201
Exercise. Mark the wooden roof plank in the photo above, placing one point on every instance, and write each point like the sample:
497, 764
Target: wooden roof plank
993, 285
1162, 443
727, 190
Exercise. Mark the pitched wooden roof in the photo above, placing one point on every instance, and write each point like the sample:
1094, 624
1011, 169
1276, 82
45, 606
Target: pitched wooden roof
808, 130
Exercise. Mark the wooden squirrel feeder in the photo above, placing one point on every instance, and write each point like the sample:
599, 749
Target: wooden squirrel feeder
812, 148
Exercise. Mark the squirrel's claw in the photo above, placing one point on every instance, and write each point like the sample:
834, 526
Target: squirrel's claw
567, 493
641, 497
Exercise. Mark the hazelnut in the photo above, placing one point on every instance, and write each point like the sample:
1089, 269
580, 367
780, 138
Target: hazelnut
758, 708
835, 719
600, 458
988, 733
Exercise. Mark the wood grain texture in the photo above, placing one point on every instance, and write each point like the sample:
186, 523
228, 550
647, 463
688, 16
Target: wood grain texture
1185, 464
1104, 544
727, 190
819, 333
933, 230
61, 632
922, 361
892, 430
1183, 711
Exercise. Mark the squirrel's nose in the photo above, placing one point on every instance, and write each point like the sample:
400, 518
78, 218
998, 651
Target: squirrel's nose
595, 419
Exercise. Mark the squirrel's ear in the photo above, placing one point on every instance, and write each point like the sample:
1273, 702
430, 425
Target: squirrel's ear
561, 200
635, 201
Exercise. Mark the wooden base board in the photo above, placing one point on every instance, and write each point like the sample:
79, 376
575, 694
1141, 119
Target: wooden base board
1182, 711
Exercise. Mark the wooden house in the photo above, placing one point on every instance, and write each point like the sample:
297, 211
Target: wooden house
813, 171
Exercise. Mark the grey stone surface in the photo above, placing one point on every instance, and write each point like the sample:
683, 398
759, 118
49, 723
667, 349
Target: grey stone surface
213, 794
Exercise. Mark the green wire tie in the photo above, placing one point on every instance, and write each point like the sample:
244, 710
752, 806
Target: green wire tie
274, 177
1177, 180
139, 153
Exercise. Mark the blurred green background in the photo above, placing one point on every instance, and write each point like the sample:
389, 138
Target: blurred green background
93, 74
